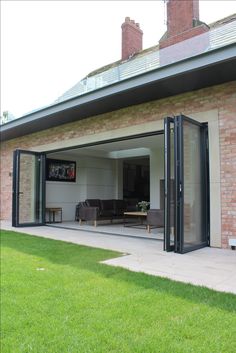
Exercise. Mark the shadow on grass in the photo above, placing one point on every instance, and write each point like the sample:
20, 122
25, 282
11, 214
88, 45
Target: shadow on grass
83, 257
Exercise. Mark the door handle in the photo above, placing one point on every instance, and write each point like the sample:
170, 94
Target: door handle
180, 189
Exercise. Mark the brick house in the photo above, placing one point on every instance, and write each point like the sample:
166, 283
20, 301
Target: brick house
176, 100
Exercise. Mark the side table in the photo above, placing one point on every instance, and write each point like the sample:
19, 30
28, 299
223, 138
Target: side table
52, 211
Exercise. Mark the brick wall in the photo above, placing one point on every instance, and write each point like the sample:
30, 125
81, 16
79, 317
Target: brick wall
227, 117
221, 97
182, 22
180, 15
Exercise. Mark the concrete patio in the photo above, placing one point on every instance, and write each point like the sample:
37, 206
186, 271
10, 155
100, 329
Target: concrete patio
114, 229
209, 267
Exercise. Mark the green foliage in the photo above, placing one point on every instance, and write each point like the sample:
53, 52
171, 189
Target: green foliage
58, 298
6, 117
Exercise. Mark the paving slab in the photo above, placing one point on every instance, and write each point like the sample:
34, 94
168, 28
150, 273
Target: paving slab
209, 267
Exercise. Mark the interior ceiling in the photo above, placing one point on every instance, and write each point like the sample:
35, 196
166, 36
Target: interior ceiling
120, 149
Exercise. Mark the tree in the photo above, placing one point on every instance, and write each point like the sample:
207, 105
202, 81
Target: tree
6, 117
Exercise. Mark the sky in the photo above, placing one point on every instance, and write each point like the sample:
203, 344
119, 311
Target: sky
48, 46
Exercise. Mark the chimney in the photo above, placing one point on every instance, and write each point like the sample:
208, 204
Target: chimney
182, 22
132, 38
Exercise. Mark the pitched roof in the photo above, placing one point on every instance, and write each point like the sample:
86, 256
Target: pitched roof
223, 21
207, 61
222, 33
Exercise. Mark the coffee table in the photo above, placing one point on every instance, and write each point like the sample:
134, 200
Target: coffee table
135, 214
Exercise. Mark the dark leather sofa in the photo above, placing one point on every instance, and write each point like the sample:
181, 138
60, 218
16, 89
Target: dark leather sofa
97, 209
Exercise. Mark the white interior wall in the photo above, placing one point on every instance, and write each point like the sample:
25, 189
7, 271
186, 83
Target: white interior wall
101, 178
66, 194
95, 178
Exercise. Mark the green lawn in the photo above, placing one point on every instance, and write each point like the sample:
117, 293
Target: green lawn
77, 305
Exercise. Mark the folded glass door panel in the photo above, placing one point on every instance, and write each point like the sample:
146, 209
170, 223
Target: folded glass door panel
186, 185
192, 188
28, 188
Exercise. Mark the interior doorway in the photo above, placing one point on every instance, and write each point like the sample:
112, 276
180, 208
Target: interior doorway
136, 179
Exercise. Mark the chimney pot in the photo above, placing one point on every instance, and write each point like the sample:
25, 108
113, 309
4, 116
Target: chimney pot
132, 38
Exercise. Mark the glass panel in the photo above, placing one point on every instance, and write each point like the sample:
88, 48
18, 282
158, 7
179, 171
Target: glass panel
30, 201
193, 166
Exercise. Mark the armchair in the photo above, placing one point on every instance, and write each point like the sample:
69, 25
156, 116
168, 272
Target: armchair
156, 218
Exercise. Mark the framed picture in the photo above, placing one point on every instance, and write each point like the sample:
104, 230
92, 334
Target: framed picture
59, 170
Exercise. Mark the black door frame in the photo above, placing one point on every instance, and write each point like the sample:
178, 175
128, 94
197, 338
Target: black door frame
167, 246
16, 187
178, 246
180, 190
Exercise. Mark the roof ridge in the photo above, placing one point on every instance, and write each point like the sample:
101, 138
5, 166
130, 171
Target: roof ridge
223, 21
155, 47
148, 51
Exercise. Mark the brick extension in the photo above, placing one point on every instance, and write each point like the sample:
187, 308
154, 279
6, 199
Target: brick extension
221, 97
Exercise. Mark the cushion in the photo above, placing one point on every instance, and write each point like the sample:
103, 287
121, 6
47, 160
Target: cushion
107, 205
93, 203
119, 207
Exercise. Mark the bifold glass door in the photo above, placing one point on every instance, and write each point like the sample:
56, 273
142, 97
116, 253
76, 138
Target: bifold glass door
28, 188
186, 183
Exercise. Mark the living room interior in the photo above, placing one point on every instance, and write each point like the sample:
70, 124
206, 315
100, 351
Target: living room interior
130, 170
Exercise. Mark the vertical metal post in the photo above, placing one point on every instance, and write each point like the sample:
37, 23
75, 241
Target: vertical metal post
167, 171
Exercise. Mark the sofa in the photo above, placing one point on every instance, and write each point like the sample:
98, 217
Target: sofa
96, 209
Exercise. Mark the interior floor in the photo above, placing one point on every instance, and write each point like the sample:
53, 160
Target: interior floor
113, 229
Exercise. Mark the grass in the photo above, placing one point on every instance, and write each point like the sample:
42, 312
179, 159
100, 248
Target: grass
78, 305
